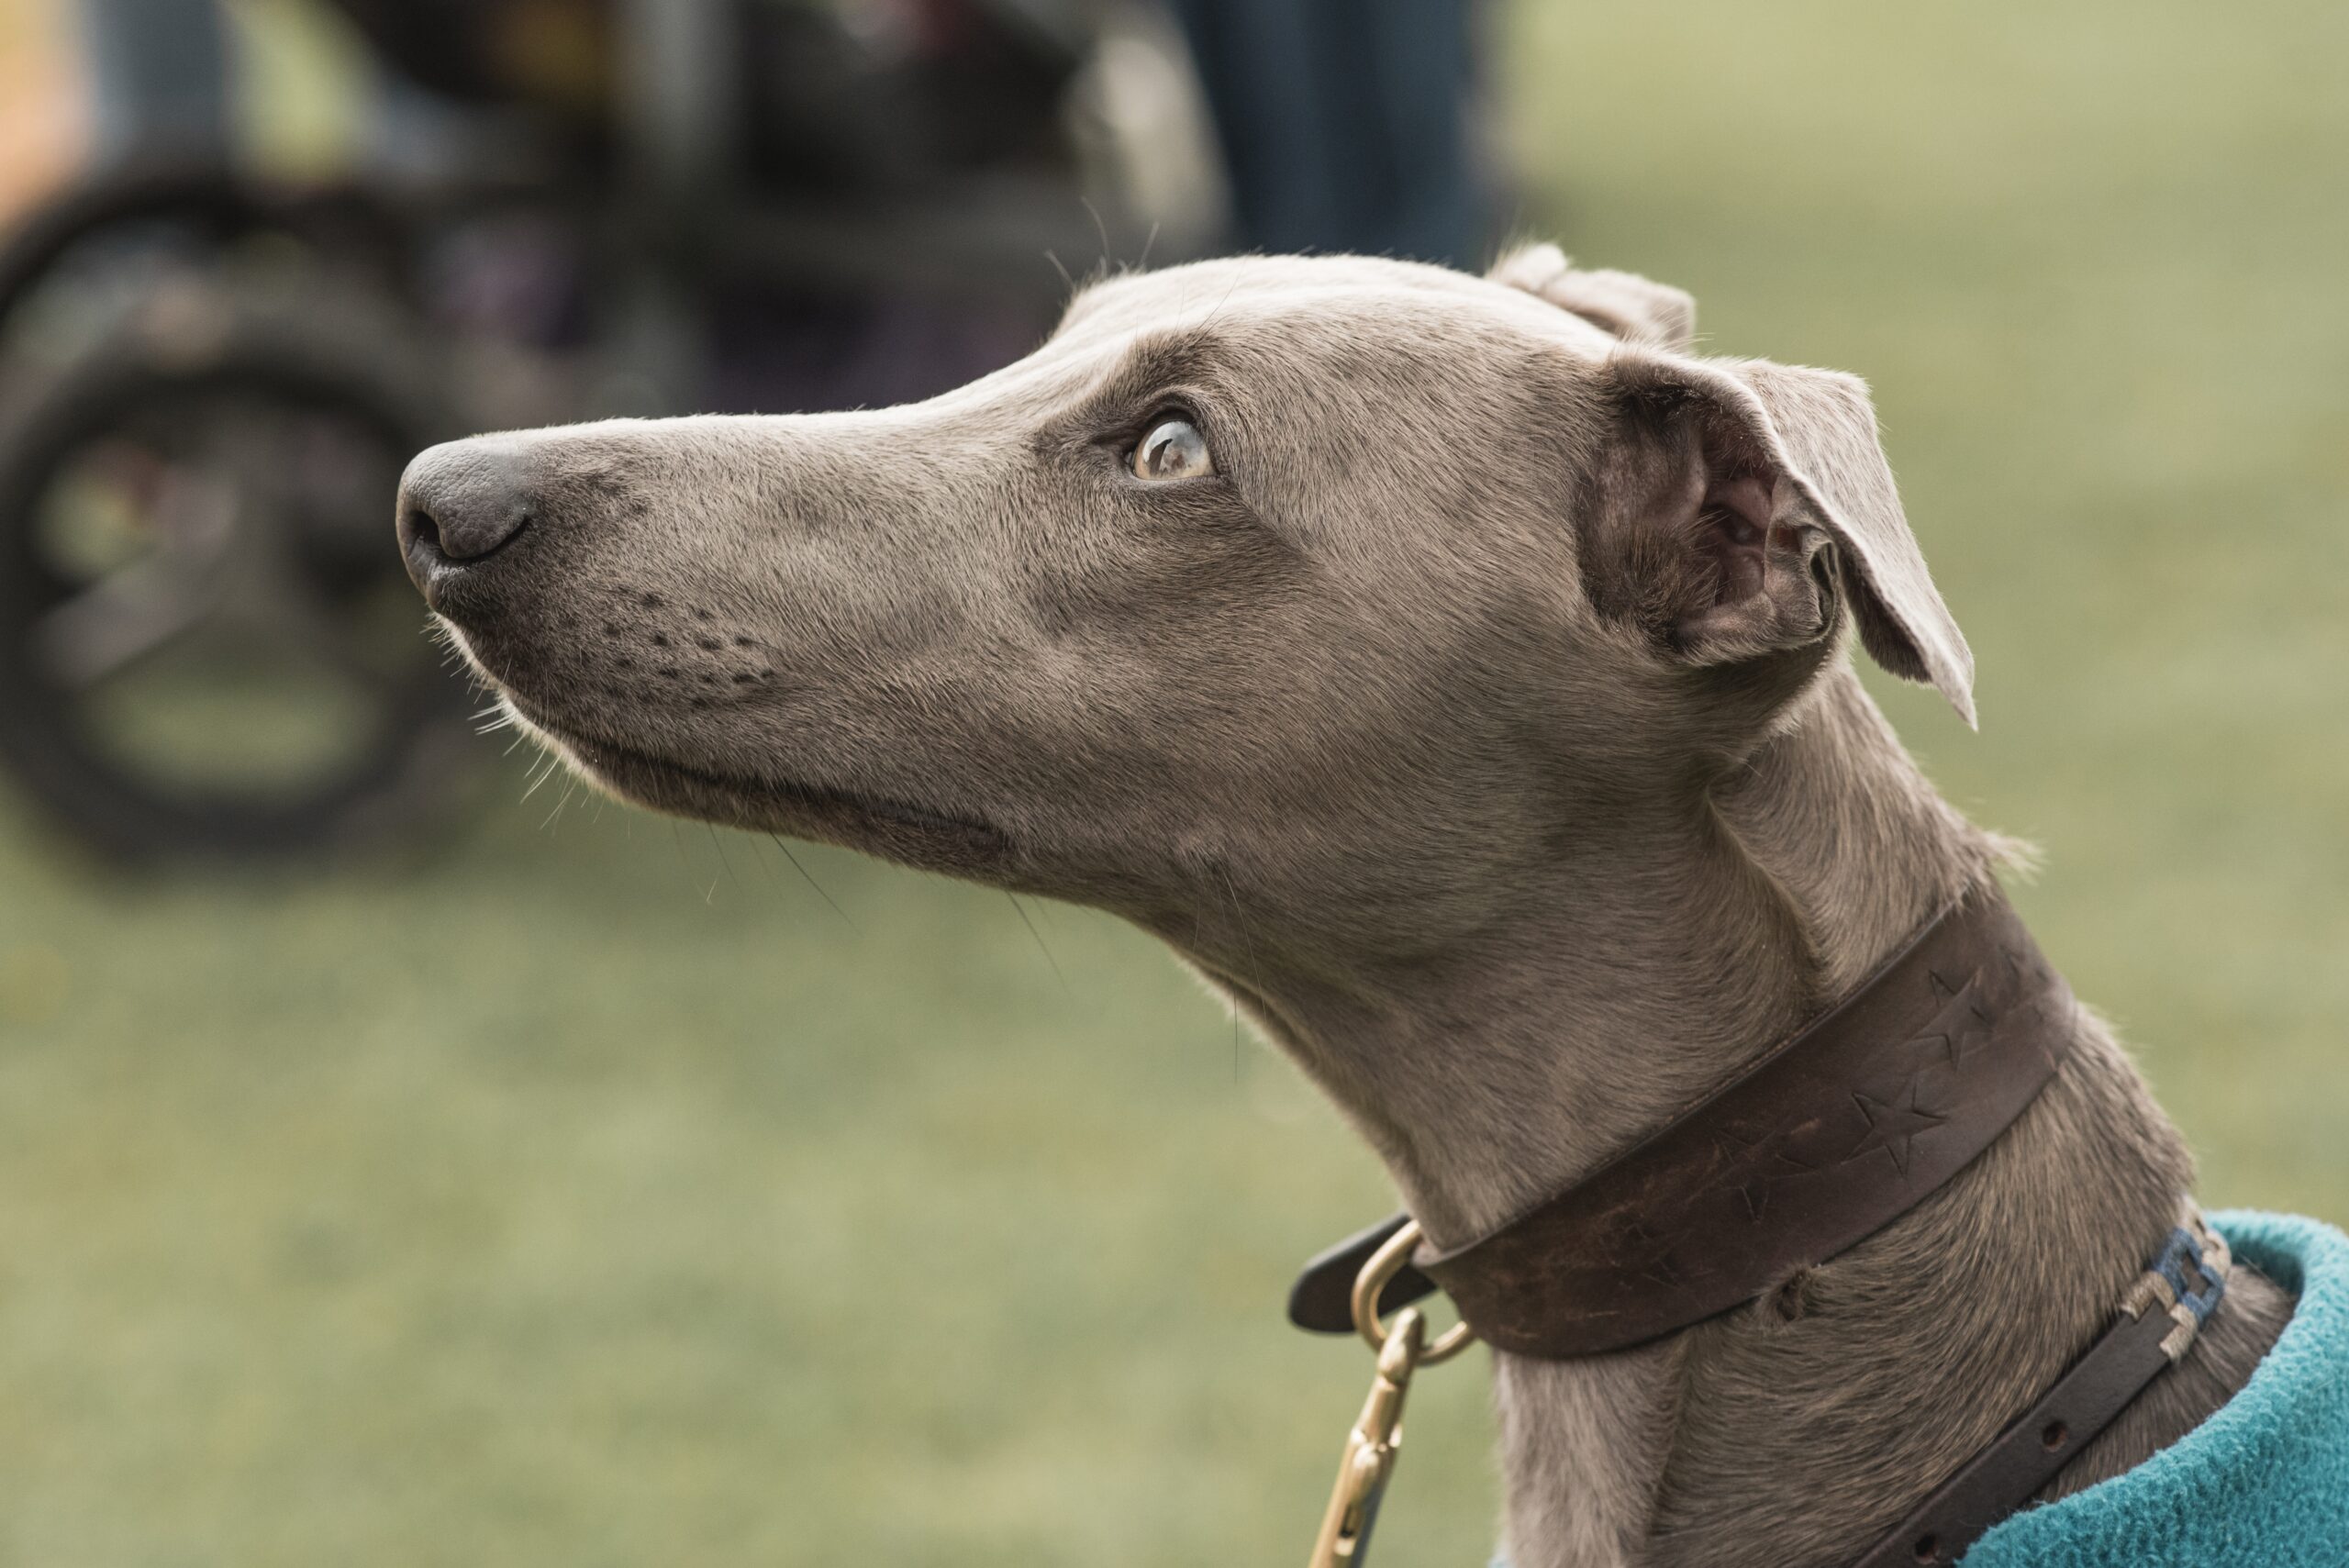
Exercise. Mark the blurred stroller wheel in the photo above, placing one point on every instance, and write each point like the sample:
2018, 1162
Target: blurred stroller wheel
204, 648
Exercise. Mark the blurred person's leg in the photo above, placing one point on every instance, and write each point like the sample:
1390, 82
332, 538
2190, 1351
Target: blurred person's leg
1343, 122
159, 71
1259, 64
1421, 62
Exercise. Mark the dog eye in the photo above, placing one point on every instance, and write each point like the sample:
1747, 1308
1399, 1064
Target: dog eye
1173, 448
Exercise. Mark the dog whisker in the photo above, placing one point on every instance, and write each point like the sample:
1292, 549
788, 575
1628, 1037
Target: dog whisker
1040, 940
1100, 228
1247, 946
545, 771
810, 879
555, 816
719, 846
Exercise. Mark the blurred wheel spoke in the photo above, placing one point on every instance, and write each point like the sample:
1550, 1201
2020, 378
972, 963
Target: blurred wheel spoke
122, 619
145, 606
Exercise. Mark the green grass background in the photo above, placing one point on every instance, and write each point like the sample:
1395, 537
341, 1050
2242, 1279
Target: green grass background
597, 1195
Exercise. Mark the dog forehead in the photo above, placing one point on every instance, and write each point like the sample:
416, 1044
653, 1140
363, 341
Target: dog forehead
1356, 296
1283, 329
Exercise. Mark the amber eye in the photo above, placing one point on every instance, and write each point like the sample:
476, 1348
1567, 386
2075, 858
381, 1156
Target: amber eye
1173, 448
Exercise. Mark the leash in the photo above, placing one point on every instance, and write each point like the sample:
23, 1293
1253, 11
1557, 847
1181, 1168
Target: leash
1847, 1125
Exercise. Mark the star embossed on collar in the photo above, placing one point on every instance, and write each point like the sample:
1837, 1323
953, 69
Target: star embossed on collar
2026, 979
1968, 1034
1962, 1027
1752, 1166
1893, 1127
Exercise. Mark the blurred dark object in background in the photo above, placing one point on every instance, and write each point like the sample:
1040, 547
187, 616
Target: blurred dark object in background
850, 99
1345, 123
559, 56
561, 210
208, 379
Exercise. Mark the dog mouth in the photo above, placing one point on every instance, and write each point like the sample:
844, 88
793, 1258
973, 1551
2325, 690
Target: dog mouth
928, 837
919, 835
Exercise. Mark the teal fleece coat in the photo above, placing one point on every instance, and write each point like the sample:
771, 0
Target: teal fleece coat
2265, 1482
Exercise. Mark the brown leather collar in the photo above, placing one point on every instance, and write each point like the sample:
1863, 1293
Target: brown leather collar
1831, 1136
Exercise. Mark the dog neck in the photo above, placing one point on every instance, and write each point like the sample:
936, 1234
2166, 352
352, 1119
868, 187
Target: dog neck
1669, 947
1670, 954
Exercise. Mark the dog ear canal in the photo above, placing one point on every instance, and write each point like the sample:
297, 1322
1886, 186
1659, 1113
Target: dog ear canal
1748, 507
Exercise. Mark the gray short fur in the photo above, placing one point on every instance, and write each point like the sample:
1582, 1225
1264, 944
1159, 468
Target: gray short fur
1484, 728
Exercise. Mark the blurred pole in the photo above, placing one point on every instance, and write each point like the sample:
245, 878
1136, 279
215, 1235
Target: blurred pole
159, 74
681, 127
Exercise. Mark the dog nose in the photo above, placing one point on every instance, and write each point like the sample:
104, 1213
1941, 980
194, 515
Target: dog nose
460, 503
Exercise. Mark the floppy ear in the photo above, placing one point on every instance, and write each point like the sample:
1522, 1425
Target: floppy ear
1625, 303
1747, 504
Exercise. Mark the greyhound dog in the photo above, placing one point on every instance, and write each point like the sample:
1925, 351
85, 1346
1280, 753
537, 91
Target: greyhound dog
1451, 670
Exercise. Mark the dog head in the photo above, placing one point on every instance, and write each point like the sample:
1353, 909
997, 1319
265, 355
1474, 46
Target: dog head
1336, 590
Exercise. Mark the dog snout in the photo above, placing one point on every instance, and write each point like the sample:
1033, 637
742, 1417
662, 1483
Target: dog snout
461, 504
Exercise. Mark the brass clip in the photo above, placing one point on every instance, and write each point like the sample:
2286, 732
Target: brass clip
1377, 1434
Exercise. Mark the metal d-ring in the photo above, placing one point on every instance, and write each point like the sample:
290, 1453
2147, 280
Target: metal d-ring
1383, 1266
